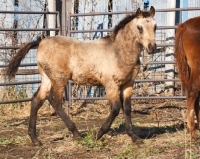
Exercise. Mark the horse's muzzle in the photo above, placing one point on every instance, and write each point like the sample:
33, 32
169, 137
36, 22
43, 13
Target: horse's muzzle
151, 48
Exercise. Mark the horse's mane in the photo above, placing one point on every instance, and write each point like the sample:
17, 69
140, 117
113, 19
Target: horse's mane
123, 23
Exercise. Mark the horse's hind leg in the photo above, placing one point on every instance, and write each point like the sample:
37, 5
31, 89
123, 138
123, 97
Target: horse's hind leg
55, 99
197, 111
114, 99
36, 102
191, 109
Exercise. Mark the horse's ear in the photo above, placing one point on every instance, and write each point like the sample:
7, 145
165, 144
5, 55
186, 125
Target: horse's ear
152, 11
139, 13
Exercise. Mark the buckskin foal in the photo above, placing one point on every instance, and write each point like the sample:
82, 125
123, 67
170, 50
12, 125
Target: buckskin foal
111, 61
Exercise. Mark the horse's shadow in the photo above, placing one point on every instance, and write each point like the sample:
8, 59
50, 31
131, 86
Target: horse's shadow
146, 132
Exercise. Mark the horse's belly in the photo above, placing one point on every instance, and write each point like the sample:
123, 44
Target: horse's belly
86, 80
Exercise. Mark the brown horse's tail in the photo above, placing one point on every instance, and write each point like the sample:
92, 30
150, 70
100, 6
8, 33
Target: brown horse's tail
21, 53
181, 59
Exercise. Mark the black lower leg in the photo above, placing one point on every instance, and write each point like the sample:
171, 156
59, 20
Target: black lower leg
55, 100
128, 122
35, 105
106, 126
69, 123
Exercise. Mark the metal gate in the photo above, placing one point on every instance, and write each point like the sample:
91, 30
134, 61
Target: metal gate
45, 31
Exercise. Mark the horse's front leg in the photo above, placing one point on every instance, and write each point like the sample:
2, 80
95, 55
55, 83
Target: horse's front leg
126, 96
113, 95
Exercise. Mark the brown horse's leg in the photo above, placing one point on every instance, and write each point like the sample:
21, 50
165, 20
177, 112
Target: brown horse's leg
114, 99
127, 93
191, 98
197, 111
55, 99
37, 101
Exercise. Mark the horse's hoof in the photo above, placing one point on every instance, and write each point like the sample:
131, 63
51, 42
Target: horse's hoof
77, 136
95, 135
136, 139
37, 143
194, 134
99, 134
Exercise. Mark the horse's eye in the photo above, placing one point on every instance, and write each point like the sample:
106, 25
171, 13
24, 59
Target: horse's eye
140, 29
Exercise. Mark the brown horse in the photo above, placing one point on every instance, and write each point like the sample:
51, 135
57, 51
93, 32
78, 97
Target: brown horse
187, 47
111, 61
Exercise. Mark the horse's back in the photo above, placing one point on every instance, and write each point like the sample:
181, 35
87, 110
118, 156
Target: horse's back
81, 61
193, 24
191, 41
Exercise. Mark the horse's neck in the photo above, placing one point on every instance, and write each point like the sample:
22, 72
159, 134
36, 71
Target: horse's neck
127, 46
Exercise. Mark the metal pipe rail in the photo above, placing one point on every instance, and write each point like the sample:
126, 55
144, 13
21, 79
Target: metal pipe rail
109, 30
133, 97
15, 101
131, 12
39, 81
98, 98
27, 12
126, 12
22, 65
19, 83
152, 62
17, 47
30, 29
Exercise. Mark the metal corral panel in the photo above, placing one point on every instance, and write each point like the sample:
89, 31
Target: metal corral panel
164, 36
125, 5
161, 20
160, 17
92, 22
26, 21
6, 21
193, 3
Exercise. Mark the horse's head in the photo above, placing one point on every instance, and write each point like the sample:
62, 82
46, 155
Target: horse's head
145, 29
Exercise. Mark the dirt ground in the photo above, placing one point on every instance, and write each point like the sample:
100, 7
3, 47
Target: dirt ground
160, 124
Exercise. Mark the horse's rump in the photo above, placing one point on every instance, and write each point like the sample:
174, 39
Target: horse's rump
180, 56
187, 47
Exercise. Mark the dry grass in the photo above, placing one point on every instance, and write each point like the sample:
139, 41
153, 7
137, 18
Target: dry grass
160, 127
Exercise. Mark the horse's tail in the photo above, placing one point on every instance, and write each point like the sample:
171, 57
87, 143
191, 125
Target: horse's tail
180, 56
21, 53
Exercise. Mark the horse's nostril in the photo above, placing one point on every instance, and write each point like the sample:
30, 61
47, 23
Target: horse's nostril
152, 47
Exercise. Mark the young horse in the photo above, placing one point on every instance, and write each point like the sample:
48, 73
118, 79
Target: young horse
187, 46
112, 61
